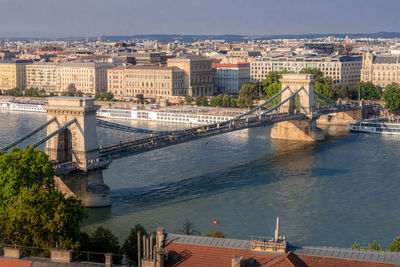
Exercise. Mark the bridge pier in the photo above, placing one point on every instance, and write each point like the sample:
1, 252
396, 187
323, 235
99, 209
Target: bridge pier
299, 130
75, 150
341, 118
88, 187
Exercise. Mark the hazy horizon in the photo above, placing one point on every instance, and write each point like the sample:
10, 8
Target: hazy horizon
75, 18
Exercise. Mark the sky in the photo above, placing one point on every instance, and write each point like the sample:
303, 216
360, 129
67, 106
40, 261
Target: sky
75, 18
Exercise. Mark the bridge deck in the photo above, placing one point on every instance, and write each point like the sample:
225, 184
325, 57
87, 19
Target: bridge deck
147, 144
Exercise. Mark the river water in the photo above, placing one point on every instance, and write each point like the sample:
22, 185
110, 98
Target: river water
328, 193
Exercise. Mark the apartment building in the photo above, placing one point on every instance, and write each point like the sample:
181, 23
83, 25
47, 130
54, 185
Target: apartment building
380, 70
344, 70
149, 81
231, 77
13, 74
42, 75
88, 77
199, 78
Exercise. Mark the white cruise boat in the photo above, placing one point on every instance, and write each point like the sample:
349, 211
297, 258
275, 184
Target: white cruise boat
164, 116
376, 127
27, 106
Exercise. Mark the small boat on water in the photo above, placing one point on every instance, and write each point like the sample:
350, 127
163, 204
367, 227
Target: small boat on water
376, 127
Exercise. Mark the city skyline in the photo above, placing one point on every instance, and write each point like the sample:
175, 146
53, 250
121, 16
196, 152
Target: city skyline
54, 19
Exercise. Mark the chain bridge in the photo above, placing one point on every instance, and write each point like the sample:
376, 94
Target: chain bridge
70, 133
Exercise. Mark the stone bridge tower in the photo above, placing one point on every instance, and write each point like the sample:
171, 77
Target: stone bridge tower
75, 150
300, 130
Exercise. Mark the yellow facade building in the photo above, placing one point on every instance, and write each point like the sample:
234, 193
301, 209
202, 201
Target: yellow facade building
199, 78
380, 70
13, 74
149, 81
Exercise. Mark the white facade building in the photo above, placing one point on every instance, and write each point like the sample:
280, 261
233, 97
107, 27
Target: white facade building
342, 69
231, 77
88, 77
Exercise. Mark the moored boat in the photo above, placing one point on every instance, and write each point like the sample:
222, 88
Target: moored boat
376, 127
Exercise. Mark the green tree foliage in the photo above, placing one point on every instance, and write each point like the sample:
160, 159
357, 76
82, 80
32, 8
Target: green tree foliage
391, 96
249, 92
108, 96
188, 228
271, 90
241, 102
272, 86
14, 92
323, 85
216, 234
72, 91
32, 92
79, 93
395, 245
130, 247
140, 98
226, 102
342, 91
216, 101
101, 240
368, 90
233, 102
201, 101
189, 99
33, 213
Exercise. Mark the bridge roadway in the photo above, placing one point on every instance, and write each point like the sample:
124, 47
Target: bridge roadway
155, 142
146, 144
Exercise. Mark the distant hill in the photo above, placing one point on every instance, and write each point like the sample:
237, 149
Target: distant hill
226, 37
232, 38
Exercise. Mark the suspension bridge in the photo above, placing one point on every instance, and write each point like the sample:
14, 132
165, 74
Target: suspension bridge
71, 134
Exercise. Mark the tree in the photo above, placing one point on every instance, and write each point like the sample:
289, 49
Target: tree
79, 93
14, 92
249, 93
341, 91
233, 102
188, 228
105, 96
216, 101
140, 98
32, 92
130, 247
241, 103
395, 245
71, 88
30, 205
201, 101
226, 101
323, 85
198, 101
367, 90
102, 240
216, 234
188, 99
204, 101
391, 96
271, 90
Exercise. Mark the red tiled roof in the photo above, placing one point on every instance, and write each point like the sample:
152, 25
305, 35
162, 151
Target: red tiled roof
14, 263
190, 255
287, 260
